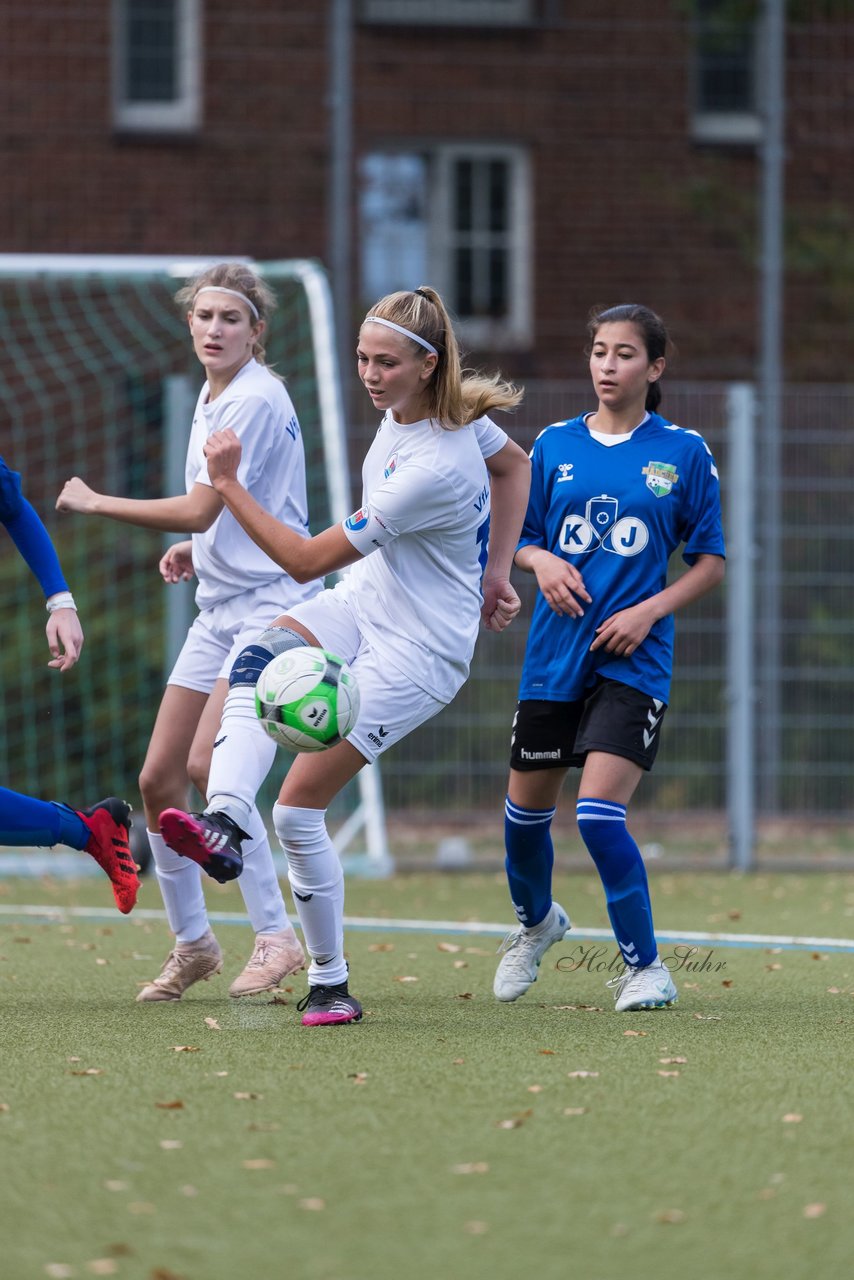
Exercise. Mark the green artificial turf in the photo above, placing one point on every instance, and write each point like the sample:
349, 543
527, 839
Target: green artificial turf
446, 1135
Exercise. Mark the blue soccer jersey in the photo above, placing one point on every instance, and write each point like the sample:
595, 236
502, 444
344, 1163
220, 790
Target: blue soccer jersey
617, 513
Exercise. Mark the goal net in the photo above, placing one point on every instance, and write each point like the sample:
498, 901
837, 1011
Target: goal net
98, 379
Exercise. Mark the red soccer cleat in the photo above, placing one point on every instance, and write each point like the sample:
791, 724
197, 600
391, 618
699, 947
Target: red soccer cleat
109, 823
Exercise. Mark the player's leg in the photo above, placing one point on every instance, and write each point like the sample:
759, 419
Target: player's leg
164, 780
540, 755
277, 950
620, 736
101, 830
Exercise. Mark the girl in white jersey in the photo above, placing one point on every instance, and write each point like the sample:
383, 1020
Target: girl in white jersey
405, 616
239, 589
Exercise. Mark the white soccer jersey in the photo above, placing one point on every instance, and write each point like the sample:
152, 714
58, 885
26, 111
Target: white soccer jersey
259, 410
422, 529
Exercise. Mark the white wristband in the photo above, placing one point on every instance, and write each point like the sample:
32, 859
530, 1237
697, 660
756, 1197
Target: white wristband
62, 600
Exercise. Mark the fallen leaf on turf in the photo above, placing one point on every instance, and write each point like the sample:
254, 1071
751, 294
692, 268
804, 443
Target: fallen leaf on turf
671, 1060
814, 1210
406, 978
458, 1062
515, 1122
90, 1071
574, 1111
176, 1105
735, 914
727, 982
479, 1166
582, 1075
461, 964
113, 1184
101, 960
248, 1097
189, 1190
767, 1193
448, 946
535, 1088
465, 995
313, 1203
219, 1073
670, 1216
119, 1250
171, 1144
381, 946
58, 1270
835, 991
4, 1107
141, 1206
272, 1127
102, 1267
792, 1117
708, 1017
773, 967
358, 1077
185, 1048
476, 1228
163, 1273
259, 1164
74, 1059
667, 1073
635, 1033
212, 1024
547, 1051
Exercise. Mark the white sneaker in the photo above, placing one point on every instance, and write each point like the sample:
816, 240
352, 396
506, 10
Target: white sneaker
650, 987
525, 949
275, 956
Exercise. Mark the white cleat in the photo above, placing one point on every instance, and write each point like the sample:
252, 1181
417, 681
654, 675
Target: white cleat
650, 987
524, 950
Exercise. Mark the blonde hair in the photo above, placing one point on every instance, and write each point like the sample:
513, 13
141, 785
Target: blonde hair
239, 278
456, 396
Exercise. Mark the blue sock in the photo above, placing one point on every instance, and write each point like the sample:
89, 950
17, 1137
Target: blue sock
602, 824
529, 861
25, 821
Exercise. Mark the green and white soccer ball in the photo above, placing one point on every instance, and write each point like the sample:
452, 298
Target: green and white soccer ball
307, 699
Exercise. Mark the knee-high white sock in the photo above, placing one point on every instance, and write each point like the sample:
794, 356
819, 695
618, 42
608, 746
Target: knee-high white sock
242, 757
317, 882
258, 881
180, 883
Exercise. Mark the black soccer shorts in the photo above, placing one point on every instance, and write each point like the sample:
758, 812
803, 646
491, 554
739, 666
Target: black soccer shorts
614, 718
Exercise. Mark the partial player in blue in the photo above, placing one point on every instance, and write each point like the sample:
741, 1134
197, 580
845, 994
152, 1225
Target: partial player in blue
613, 494
102, 829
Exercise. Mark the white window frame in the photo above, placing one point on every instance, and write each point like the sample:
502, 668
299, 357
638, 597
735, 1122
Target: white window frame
729, 127
183, 113
514, 330
431, 13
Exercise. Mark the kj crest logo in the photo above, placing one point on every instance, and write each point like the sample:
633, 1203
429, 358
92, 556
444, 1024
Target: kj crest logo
660, 478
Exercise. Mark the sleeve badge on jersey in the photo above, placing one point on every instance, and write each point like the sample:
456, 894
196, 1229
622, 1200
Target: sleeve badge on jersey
390, 466
660, 478
358, 520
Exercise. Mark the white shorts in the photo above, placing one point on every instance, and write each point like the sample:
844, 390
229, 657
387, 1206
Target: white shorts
218, 635
390, 704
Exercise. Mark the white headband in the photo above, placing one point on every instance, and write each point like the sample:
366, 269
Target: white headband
407, 333
218, 288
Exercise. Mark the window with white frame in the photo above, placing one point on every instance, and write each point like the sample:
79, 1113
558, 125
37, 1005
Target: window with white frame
157, 53
471, 13
456, 217
726, 72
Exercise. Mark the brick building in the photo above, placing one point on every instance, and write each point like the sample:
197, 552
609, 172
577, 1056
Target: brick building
530, 157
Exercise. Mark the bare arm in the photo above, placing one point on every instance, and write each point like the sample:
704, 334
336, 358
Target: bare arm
624, 631
510, 482
191, 512
303, 558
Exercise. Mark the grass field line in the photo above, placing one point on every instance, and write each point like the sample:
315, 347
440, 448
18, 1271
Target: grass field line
472, 928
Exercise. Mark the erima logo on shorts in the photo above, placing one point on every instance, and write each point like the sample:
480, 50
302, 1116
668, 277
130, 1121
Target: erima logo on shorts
357, 520
539, 755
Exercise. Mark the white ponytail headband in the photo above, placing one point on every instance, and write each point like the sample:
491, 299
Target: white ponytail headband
235, 293
407, 333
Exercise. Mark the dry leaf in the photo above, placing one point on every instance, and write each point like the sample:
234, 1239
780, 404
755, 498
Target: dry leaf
171, 1144
312, 1203
248, 1097
574, 1111
113, 1184
535, 1088
476, 1228
670, 1060
381, 946
163, 1273
458, 1062
814, 1210
4, 1107
792, 1117
141, 1206
582, 1075
177, 1105
667, 1074
259, 1164
547, 1051
461, 964
102, 1267
465, 995
58, 1270
219, 1073
448, 946
479, 1167
90, 1071
185, 1048
515, 1122
212, 1024
635, 1033
358, 1077
406, 978
671, 1216
727, 982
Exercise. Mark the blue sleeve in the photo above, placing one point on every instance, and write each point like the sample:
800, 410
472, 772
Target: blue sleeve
29, 535
703, 531
534, 527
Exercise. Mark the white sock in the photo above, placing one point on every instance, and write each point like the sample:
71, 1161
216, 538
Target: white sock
242, 758
317, 882
180, 882
258, 881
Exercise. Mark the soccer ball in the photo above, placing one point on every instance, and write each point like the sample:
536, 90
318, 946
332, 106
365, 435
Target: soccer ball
307, 699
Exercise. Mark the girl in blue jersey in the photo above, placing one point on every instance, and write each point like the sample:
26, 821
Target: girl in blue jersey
613, 494
101, 830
